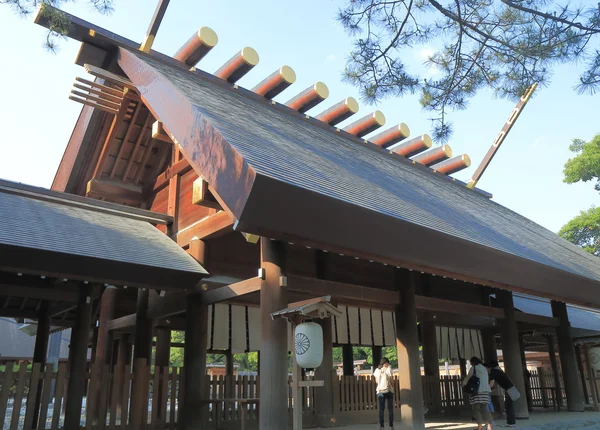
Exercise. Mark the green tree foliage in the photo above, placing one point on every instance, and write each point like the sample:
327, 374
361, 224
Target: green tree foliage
584, 230
504, 45
59, 23
585, 166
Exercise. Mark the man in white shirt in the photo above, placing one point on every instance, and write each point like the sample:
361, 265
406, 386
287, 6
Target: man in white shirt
385, 390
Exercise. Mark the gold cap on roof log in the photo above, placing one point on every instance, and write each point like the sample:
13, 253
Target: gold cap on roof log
196, 48
339, 111
276, 82
433, 156
413, 146
391, 135
453, 165
366, 124
309, 98
240, 64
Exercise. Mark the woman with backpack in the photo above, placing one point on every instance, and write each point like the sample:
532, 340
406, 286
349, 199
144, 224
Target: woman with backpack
499, 378
477, 385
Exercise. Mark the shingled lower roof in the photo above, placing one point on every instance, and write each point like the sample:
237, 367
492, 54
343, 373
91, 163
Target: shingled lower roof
290, 177
40, 234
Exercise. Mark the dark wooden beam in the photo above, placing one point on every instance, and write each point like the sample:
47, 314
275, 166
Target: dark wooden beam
210, 227
540, 320
179, 168
42, 293
231, 291
113, 190
441, 305
18, 313
122, 323
341, 290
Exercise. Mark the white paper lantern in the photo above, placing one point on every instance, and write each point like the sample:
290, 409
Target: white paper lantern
308, 345
595, 358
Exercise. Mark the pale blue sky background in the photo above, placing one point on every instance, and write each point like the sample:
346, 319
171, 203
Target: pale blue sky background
37, 118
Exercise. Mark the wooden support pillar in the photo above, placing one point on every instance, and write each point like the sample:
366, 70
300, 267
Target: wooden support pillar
591, 376
325, 372
511, 352
490, 350
347, 360
542, 377
142, 347
229, 371
568, 361
526, 374
40, 349
124, 350
194, 363
142, 355
582, 373
104, 342
462, 362
273, 410
431, 362
555, 373
163, 347
407, 344
78, 359
376, 353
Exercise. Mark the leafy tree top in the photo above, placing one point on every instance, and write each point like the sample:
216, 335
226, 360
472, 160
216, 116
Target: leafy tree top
503, 45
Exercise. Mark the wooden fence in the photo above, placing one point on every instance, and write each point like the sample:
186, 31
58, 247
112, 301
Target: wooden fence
108, 398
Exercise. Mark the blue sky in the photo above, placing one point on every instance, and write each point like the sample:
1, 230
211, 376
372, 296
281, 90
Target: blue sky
37, 118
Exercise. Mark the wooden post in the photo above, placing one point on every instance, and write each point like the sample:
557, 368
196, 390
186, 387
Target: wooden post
555, 373
297, 401
490, 350
376, 352
273, 409
78, 359
543, 388
229, 370
194, 359
568, 361
39, 351
462, 362
124, 350
591, 376
348, 360
162, 359
526, 374
107, 313
142, 354
582, 373
407, 344
194, 413
511, 352
324, 394
163, 346
431, 363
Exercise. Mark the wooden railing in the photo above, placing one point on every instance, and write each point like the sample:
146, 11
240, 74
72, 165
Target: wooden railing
108, 400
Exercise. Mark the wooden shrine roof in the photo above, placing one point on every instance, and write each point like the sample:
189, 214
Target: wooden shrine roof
284, 175
83, 239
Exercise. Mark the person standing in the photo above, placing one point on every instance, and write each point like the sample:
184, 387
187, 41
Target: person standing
501, 379
385, 390
480, 400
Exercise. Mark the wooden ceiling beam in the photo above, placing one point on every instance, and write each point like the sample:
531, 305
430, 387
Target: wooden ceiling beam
232, 291
159, 132
210, 227
116, 191
18, 313
433, 304
138, 143
40, 293
202, 195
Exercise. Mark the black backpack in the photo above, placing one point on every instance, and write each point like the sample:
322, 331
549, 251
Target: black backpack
472, 386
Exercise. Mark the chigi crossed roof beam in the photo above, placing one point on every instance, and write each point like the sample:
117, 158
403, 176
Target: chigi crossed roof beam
97, 42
